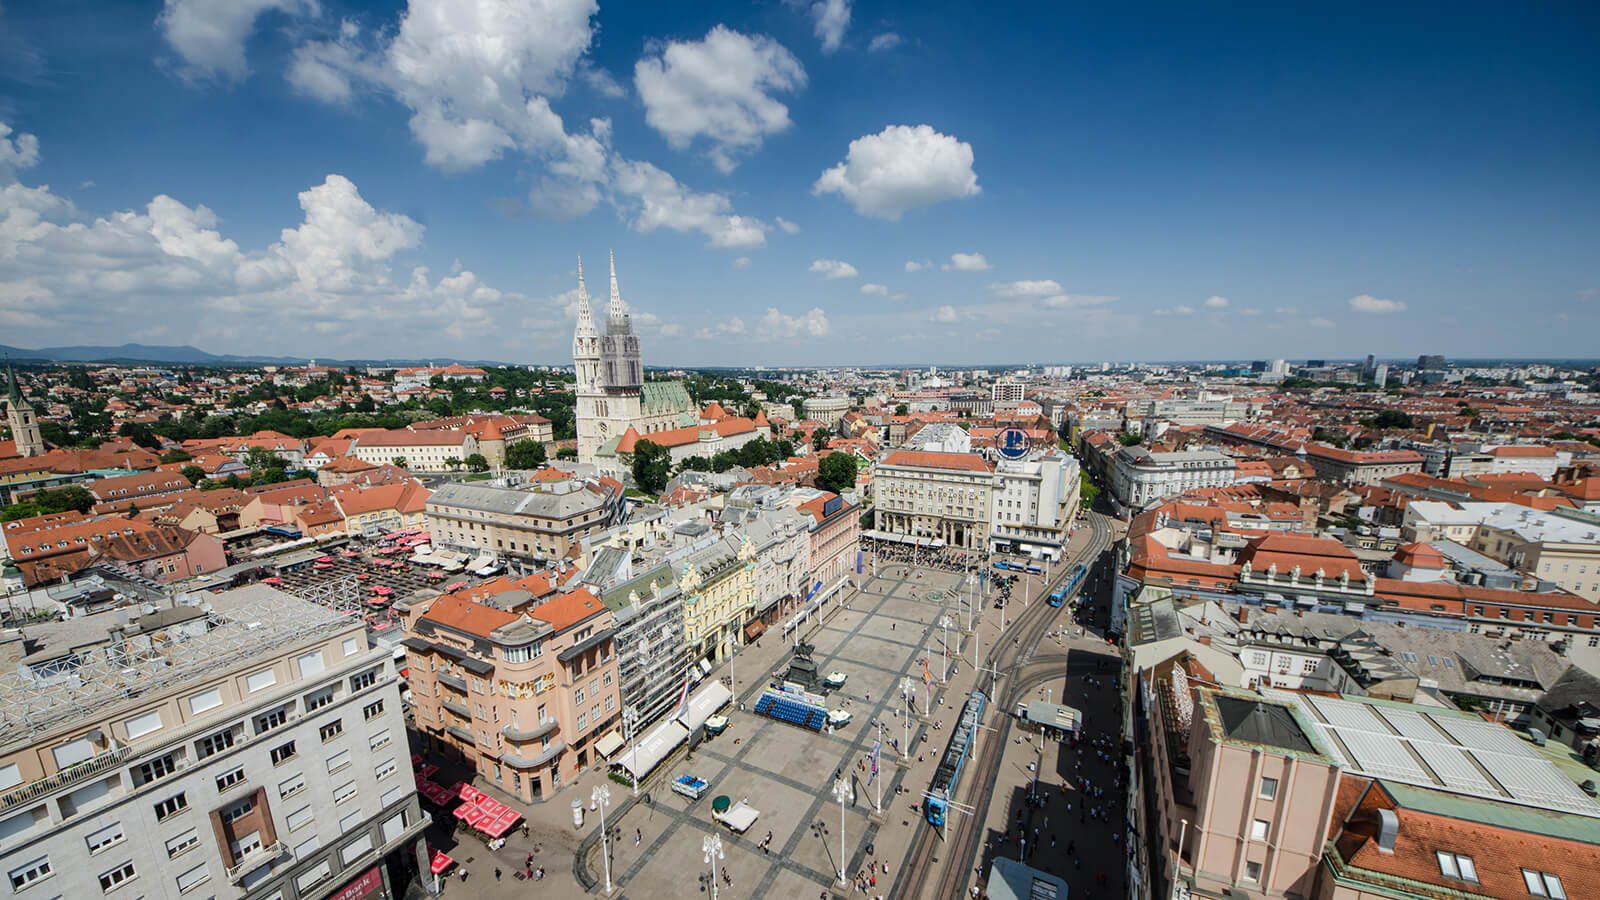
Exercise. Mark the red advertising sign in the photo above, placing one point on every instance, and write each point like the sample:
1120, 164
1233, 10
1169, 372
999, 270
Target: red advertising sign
365, 887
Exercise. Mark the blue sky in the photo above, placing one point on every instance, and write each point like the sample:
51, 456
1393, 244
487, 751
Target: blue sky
790, 182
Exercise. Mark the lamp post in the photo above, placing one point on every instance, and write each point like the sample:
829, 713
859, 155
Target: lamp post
1177, 866
878, 803
905, 694
630, 724
711, 846
841, 793
944, 625
601, 797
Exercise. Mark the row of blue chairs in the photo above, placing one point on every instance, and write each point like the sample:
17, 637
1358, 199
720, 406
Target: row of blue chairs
783, 709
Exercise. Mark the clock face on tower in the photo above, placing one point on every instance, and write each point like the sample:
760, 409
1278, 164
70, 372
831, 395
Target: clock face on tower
601, 426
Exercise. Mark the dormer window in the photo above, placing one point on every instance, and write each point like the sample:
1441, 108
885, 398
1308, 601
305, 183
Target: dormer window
1455, 865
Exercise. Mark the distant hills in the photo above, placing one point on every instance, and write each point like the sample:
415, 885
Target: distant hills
187, 355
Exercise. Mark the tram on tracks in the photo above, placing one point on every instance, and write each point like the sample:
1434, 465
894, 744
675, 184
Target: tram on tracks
954, 762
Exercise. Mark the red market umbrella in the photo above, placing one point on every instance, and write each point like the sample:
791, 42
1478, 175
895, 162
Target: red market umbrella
272, 581
324, 559
440, 862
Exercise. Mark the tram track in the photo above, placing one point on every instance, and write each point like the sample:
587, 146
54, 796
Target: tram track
962, 833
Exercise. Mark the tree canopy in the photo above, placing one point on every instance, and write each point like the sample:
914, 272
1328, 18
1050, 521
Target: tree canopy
652, 465
525, 455
837, 472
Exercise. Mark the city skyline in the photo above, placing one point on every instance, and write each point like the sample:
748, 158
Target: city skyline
885, 182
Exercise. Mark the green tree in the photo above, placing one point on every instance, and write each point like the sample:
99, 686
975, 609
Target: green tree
902, 409
1392, 418
399, 461
782, 449
477, 463
1129, 438
652, 464
695, 464
566, 453
195, 474
1087, 491
819, 439
176, 455
837, 472
453, 463
525, 455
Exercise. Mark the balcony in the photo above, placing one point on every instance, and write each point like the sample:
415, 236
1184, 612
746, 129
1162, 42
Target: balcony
455, 681
83, 771
460, 733
254, 860
459, 709
523, 735
517, 760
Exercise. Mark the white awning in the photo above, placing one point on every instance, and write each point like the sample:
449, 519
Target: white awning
651, 748
714, 696
609, 744
705, 666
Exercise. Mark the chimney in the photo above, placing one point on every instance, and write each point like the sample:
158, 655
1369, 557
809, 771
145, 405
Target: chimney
1388, 827
1244, 615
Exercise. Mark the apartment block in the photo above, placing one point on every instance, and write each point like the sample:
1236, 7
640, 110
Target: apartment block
251, 745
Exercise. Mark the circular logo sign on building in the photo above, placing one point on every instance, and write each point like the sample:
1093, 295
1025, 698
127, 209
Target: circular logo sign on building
1013, 443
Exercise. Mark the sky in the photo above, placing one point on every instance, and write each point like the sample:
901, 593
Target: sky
803, 182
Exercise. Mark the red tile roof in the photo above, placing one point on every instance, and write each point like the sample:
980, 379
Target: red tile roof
922, 459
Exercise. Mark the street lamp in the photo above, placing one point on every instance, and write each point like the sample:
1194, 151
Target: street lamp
1177, 867
944, 625
841, 793
630, 724
711, 846
601, 797
905, 694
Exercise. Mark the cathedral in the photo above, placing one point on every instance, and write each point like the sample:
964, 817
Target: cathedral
19, 415
611, 391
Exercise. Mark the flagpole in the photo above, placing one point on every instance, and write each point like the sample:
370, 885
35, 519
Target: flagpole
878, 803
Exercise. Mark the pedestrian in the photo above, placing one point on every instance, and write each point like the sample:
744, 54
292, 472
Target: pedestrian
638, 836
496, 873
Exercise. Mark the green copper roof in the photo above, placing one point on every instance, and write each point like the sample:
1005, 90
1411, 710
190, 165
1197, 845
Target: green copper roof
669, 396
1534, 820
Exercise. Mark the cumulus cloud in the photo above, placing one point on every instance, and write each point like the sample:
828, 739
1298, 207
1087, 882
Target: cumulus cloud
728, 328
21, 152
777, 326
967, 262
1320, 322
899, 169
1216, 302
1183, 310
719, 88
1074, 301
1286, 310
600, 81
914, 266
945, 313
741, 262
1044, 288
886, 41
1249, 311
1370, 304
657, 200
787, 226
881, 290
833, 268
831, 19
209, 35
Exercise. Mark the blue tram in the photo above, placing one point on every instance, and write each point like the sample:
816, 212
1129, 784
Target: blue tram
948, 776
1071, 583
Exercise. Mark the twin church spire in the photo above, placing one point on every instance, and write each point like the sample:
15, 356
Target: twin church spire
611, 360
617, 318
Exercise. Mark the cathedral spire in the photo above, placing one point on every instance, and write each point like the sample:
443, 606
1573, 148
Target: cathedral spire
13, 393
585, 317
616, 313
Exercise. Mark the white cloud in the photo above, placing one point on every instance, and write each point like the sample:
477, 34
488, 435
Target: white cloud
1249, 311
1286, 310
1183, 310
719, 88
832, 18
914, 266
1216, 302
1044, 288
1075, 301
741, 262
832, 269
787, 226
886, 41
1367, 303
966, 262
657, 200
21, 152
901, 168
730, 328
945, 313
881, 290
1320, 322
210, 34
776, 326
600, 81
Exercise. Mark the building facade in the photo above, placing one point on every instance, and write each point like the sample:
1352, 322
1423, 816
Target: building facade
1139, 476
1035, 503
528, 525
262, 754
945, 496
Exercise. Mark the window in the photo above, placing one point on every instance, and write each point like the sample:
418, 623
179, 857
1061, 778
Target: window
1543, 884
175, 804
338, 760
307, 847
1269, 788
141, 725
394, 827
245, 846
346, 791
380, 739
214, 744
319, 699
1258, 829
281, 753
230, 778
105, 837
392, 796
611, 703
306, 880
299, 818
183, 843
270, 720
372, 710
205, 700
594, 686
1252, 871
1454, 865
364, 680
350, 646
110, 881
292, 785
193, 878
331, 730
583, 721
310, 664
238, 810
1309, 667
607, 679
348, 823
28, 873
577, 696
354, 850
261, 680
156, 769
384, 769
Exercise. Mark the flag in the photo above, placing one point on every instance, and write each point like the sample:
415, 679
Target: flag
683, 699
876, 745
927, 676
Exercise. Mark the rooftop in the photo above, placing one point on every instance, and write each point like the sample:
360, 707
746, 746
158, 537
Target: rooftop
1254, 721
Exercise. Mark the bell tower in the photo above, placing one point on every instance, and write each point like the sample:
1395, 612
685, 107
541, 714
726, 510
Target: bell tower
20, 416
